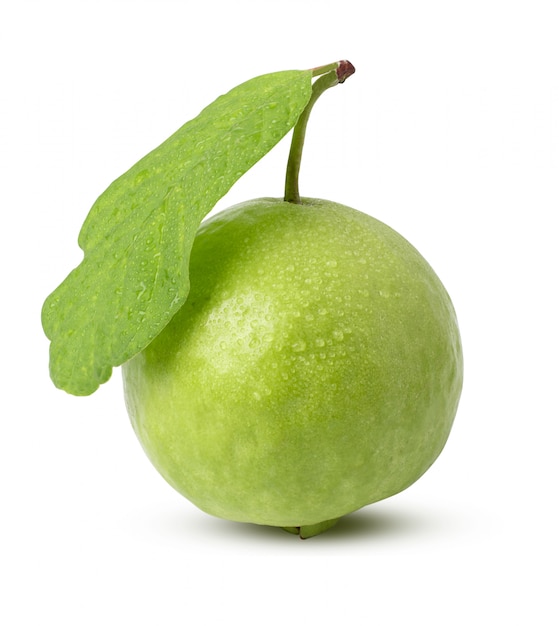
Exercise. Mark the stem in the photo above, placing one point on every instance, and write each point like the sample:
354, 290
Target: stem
330, 75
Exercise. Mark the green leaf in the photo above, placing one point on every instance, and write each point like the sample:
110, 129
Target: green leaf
138, 235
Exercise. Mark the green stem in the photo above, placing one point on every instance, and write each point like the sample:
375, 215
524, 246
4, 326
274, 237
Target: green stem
330, 75
323, 69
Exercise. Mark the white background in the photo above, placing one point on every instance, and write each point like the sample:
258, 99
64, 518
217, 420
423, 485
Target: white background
449, 132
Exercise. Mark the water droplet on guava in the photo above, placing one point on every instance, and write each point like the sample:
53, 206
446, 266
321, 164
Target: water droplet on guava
299, 346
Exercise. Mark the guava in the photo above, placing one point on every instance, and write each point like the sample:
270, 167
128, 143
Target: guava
285, 362
315, 368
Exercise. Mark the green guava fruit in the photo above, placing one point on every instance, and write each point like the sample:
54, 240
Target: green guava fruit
315, 367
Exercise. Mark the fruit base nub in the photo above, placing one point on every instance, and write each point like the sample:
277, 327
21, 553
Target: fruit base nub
311, 530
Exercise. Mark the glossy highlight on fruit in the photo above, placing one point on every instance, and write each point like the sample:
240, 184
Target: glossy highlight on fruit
315, 367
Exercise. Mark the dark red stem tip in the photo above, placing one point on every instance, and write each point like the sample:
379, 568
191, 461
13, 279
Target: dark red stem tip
345, 70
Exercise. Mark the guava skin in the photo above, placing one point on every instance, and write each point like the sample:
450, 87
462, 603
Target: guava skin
315, 368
